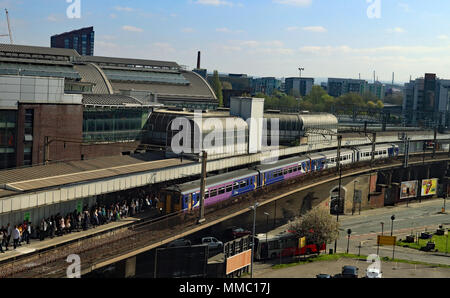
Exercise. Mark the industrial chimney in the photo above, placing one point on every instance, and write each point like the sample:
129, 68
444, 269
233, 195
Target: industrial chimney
198, 59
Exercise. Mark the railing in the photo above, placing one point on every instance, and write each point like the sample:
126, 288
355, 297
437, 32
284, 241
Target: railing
155, 232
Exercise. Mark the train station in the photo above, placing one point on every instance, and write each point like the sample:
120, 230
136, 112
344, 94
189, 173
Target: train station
87, 153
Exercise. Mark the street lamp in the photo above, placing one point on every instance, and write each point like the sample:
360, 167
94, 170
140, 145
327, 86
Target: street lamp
253, 235
349, 232
267, 230
392, 225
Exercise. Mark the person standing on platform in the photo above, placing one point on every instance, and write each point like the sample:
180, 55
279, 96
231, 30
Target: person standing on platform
1, 240
9, 230
15, 236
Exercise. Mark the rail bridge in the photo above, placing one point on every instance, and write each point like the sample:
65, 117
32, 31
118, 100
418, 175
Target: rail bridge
125, 243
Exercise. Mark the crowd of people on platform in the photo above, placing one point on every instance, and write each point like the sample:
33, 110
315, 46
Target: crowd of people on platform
75, 221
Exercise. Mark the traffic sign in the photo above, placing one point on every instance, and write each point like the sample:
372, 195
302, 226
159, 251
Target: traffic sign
386, 240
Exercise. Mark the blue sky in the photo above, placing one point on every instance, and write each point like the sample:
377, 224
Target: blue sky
329, 38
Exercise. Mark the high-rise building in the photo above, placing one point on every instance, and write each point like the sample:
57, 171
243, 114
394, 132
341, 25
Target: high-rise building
377, 89
265, 85
426, 101
338, 86
298, 86
81, 40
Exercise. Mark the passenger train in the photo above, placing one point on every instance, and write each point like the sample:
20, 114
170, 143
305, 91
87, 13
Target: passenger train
225, 186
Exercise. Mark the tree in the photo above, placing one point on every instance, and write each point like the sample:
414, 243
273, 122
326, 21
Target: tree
217, 87
380, 104
317, 225
227, 85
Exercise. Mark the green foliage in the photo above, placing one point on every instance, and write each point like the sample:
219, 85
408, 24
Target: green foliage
395, 99
278, 100
318, 226
217, 87
226, 86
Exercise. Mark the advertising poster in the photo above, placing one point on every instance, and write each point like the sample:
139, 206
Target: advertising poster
429, 187
408, 189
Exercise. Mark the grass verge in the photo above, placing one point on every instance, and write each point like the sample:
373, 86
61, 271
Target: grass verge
335, 257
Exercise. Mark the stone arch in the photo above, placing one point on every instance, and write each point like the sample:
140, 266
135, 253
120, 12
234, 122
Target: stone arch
334, 206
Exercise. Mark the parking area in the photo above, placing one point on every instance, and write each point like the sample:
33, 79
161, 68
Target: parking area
389, 270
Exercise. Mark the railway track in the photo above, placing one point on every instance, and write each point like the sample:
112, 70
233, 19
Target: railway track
52, 263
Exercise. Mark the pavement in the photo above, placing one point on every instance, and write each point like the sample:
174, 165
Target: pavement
388, 269
37, 245
416, 217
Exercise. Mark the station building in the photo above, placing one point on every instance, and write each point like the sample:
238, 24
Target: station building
57, 105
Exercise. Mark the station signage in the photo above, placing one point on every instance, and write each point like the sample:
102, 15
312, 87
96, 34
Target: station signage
408, 189
429, 187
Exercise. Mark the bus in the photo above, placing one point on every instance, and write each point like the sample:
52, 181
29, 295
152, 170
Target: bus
284, 244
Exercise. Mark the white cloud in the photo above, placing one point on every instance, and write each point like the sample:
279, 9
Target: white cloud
132, 28
225, 30
187, 30
301, 3
113, 16
53, 18
389, 50
396, 30
317, 29
164, 47
126, 9
214, 2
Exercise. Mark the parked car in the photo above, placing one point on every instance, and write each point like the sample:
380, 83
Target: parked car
236, 232
323, 276
179, 243
349, 272
373, 273
212, 243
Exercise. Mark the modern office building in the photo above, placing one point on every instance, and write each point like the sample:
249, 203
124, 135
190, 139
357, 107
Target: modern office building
241, 85
378, 89
81, 40
426, 101
298, 86
265, 85
339, 86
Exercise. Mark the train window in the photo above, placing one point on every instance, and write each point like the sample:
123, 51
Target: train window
221, 190
243, 184
229, 188
213, 193
236, 185
186, 201
290, 170
206, 194
285, 171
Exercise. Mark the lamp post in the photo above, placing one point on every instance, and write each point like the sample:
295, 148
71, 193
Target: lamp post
392, 225
446, 242
267, 224
349, 232
253, 235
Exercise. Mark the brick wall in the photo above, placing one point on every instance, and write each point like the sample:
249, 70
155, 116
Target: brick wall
55, 121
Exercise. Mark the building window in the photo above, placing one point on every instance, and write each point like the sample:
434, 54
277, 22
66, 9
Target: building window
66, 43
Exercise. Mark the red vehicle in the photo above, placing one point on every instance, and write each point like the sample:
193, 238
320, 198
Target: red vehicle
284, 244
236, 232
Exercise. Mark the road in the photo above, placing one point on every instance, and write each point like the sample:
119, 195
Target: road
365, 228
417, 217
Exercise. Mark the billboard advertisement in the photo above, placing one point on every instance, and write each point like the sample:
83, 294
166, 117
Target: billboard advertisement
429, 187
408, 189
